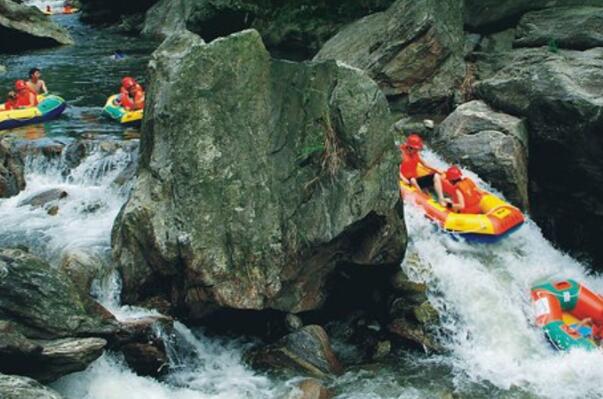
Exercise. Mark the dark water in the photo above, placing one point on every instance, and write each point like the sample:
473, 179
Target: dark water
83, 74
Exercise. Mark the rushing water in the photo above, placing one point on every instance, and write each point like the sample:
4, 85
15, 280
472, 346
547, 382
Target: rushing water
481, 291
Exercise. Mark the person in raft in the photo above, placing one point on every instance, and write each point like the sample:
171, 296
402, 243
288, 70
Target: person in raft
596, 329
37, 85
414, 171
131, 94
11, 101
26, 98
464, 195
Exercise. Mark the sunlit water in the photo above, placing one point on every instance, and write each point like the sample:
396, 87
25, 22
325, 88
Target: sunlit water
481, 290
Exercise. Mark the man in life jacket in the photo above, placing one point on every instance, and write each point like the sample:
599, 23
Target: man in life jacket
131, 94
464, 195
11, 102
35, 83
26, 98
414, 171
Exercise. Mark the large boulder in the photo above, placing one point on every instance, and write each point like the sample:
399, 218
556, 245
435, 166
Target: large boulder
575, 28
293, 28
559, 95
307, 350
495, 15
12, 177
23, 27
17, 387
250, 194
492, 144
413, 50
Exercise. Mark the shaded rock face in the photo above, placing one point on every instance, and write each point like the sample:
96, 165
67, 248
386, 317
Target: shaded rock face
495, 15
17, 387
249, 195
111, 11
23, 27
413, 50
307, 350
290, 28
576, 28
492, 144
559, 95
83, 267
12, 178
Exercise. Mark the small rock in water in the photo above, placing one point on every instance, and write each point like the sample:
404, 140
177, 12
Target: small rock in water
53, 210
428, 123
293, 322
43, 198
311, 389
382, 349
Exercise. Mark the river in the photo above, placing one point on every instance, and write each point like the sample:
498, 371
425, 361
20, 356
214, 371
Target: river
481, 291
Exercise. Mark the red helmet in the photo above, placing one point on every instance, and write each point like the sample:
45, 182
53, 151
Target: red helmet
128, 82
20, 85
454, 173
414, 141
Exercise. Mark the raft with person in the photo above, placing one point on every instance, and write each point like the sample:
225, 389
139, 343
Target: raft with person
570, 314
49, 107
469, 211
114, 110
66, 10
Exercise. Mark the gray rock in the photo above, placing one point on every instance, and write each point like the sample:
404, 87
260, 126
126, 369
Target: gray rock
307, 350
559, 95
291, 29
496, 15
42, 301
221, 218
577, 28
492, 144
12, 178
23, 27
414, 49
83, 267
44, 198
17, 387
293, 322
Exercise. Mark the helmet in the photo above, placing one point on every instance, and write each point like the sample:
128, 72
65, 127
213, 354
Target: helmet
415, 141
20, 85
128, 82
454, 173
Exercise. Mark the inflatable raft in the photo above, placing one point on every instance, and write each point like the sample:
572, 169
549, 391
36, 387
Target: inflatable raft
118, 113
61, 10
497, 219
560, 306
49, 107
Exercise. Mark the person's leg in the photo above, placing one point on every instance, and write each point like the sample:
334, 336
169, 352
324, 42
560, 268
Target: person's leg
416, 185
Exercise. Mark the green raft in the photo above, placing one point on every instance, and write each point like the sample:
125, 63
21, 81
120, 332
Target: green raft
115, 111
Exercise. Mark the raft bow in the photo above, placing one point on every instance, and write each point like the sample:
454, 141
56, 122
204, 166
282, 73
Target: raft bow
49, 107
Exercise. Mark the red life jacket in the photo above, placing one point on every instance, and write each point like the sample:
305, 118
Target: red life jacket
10, 104
138, 102
410, 162
27, 98
124, 98
471, 194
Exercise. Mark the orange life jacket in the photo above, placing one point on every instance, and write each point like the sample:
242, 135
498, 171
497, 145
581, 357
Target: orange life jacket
471, 194
138, 97
10, 104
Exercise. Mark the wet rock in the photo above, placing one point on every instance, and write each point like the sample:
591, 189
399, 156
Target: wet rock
75, 152
64, 356
12, 178
414, 49
229, 226
17, 387
576, 28
41, 301
492, 144
307, 350
293, 322
494, 15
82, 267
13, 344
145, 359
23, 27
413, 333
382, 349
128, 174
564, 116
295, 29
311, 389
44, 198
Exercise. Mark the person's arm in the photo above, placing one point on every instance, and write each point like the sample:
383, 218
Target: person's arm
44, 89
457, 207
